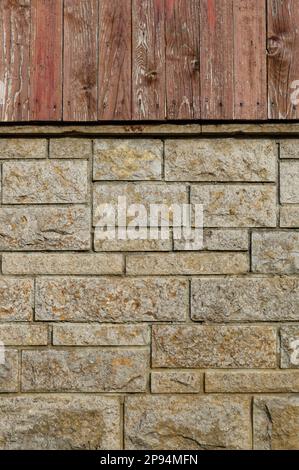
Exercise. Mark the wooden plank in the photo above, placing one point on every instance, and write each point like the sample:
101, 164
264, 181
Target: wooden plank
114, 78
182, 59
148, 55
216, 59
80, 60
283, 59
250, 81
14, 60
46, 60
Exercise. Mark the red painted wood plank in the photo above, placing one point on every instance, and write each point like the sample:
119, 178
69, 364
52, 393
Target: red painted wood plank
115, 78
283, 59
216, 59
80, 60
148, 55
46, 60
182, 59
14, 60
250, 72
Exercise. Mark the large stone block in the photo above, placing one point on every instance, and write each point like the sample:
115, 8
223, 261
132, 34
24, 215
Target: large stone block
276, 423
111, 300
275, 252
127, 159
23, 334
84, 370
16, 299
214, 346
230, 299
45, 182
236, 206
220, 160
23, 148
70, 148
59, 423
9, 373
50, 228
289, 182
186, 422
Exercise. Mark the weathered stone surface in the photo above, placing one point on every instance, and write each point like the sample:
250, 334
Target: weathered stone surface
230, 299
187, 263
220, 160
127, 159
84, 370
276, 423
70, 148
81, 334
289, 336
40, 228
23, 148
217, 239
103, 241
20, 334
275, 252
289, 182
46, 182
16, 299
9, 373
236, 205
59, 423
214, 346
111, 300
289, 216
62, 263
252, 382
138, 193
176, 382
187, 422
289, 148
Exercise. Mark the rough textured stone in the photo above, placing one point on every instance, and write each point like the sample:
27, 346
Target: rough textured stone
111, 300
186, 422
289, 148
187, 263
217, 239
84, 370
61, 263
230, 299
176, 382
82, 334
275, 252
9, 373
220, 160
23, 334
276, 423
37, 228
252, 382
129, 244
214, 346
23, 148
16, 299
127, 159
289, 216
138, 193
289, 336
289, 182
236, 205
59, 423
70, 148
45, 182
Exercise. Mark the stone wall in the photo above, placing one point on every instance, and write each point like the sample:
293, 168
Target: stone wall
144, 344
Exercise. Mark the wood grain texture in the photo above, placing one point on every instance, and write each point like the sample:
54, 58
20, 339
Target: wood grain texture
115, 78
14, 60
46, 60
216, 59
182, 59
148, 55
283, 59
250, 59
80, 60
